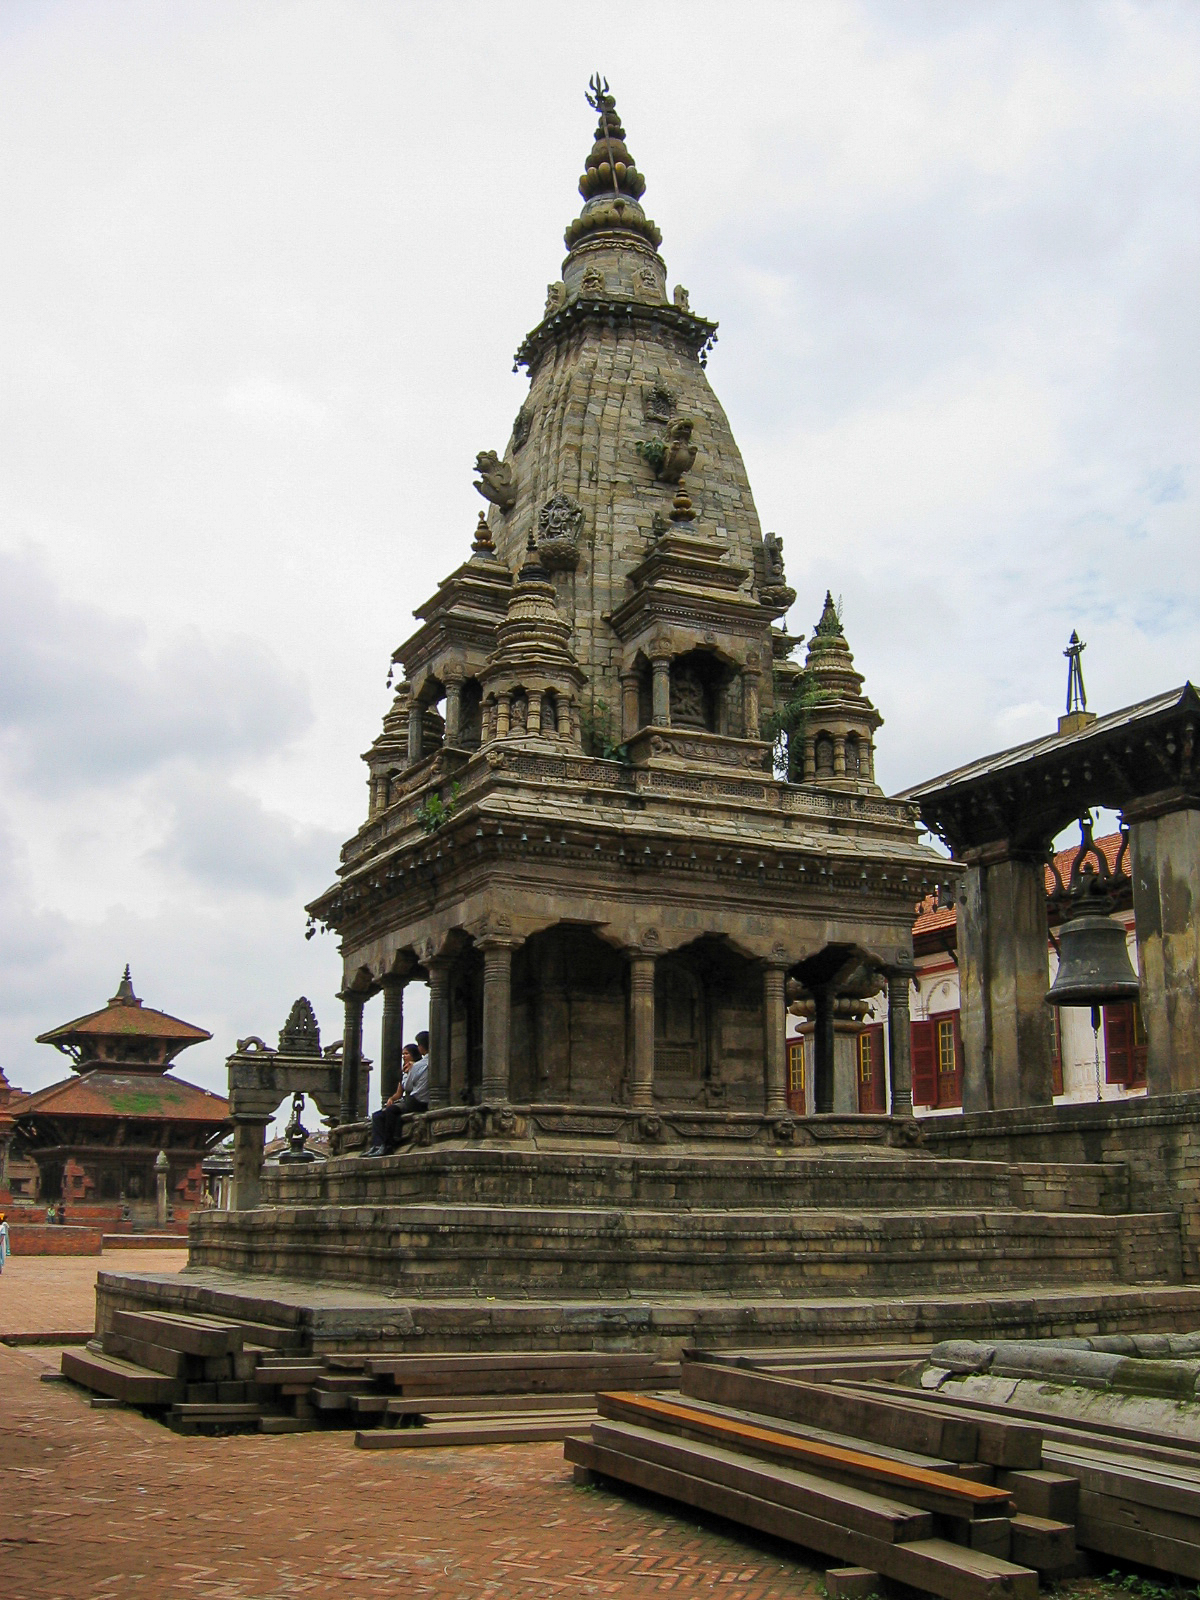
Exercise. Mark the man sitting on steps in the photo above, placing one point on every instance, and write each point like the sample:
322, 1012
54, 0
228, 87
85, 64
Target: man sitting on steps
410, 1097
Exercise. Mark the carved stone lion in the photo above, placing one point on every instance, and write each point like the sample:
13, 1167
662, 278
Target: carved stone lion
681, 452
497, 483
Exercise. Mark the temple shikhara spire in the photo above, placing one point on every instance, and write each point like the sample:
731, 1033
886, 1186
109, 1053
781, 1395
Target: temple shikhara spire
585, 737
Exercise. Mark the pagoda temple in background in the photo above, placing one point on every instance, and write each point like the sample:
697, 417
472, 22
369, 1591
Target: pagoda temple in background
97, 1135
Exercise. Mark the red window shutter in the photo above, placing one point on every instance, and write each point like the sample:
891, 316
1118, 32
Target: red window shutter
924, 1064
1137, 1048
950, 1085
1056, 1077
1118, 1043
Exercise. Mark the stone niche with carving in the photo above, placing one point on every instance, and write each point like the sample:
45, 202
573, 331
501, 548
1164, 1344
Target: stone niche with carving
559, 532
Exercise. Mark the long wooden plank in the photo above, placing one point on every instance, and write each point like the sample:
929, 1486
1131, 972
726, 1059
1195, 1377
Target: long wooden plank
875, 1419
932, 1491
882, 1518
934, 1565
449, 1404
1096, 1529
1104, 1431
1000, 1441
1128, 1480
144, 1354
186, 1334
496, 1430
120, 1379
420, 1366
542, 1381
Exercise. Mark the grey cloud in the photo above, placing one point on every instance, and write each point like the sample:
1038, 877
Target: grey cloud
229, 842
87, 699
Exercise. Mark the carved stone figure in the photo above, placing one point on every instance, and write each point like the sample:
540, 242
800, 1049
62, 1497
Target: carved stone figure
680, 453
773, 558
646, 283
680, 298
556, 294
593, 281
497, 483
560, 523
658, 403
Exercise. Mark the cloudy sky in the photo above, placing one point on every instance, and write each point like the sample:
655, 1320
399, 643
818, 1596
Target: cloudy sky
262, 271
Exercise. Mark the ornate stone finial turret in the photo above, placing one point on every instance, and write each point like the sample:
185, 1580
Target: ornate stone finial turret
840, 720
682, 510
481, 544
300, 1035
531, 681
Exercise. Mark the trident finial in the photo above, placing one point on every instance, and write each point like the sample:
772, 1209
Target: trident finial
1076, 693
602, 102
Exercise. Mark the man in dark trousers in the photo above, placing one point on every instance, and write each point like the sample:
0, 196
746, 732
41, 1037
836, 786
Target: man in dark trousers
410, 1097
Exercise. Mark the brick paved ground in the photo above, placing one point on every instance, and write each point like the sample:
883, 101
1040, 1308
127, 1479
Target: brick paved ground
57, 1294
107, 1503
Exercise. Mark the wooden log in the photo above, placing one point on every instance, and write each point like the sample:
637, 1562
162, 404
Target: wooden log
879, 1420
1043, 1542
1142, 1483
851, 1583
493, 1430
1000, 1441
513, 1404
934, 1565
1038, 1493
186, 1334
122, 1380
155, 1357
535, 1381
879, 1516
1097, 1529
933, 1491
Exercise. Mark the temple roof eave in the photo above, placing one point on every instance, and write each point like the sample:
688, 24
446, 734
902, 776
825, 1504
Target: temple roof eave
697, 333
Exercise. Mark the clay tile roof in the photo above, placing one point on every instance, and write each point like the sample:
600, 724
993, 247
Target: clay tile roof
126, 1017
105, 1093
930, 916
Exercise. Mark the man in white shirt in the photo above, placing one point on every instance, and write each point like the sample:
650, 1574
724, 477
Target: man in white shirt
412, 1096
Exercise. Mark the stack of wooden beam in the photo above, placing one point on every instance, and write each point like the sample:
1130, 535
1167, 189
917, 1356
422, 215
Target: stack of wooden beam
200, 1370
491, 1399
1137, 1488
946, 1503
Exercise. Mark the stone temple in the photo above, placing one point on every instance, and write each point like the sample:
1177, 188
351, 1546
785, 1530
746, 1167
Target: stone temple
575, 832
617, 828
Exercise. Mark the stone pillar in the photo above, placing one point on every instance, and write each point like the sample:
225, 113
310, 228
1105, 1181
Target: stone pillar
439, 1031
564, 718
392, 1037
629, 704
503, 704
162, 1168
823, 1047
416, 715
810, 758
750, 719
351, 1054
775, 1039
6, 1133
249, 1142
839, 755
1166, 909
1003, 975
533, 717
497, 1016
661, 666
641, 1009
453, 710
900, 1041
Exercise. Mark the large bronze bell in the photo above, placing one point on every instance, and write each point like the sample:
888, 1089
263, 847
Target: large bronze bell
1093, 963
